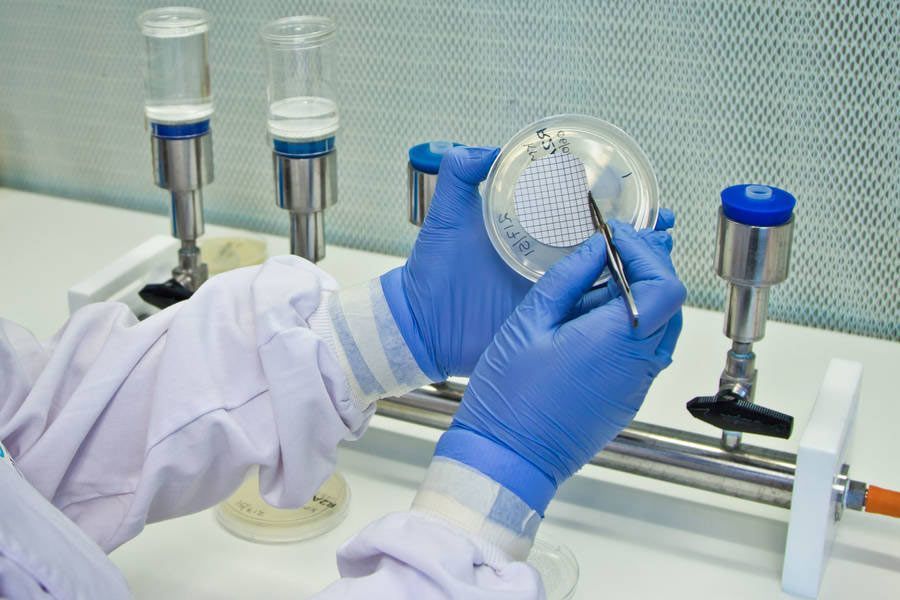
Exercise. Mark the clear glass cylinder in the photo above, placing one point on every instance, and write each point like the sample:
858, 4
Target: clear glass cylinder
177, 88
302, 104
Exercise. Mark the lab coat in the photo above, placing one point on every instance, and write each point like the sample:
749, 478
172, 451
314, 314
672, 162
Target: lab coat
112, 424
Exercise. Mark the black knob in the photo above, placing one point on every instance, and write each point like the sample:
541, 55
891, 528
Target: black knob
727, 410
164, 295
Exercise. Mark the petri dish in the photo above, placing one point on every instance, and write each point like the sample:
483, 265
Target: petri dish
246, 515
557, 567
535, 196
226, 253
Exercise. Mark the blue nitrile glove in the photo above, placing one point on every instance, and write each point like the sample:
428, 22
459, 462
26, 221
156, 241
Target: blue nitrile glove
561, 379
455, 291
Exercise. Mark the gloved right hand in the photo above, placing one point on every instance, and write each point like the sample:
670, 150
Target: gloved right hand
564, 375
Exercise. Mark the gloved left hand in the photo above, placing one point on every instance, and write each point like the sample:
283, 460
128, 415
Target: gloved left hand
455, 291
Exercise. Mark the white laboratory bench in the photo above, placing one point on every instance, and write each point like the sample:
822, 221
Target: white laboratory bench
633, 537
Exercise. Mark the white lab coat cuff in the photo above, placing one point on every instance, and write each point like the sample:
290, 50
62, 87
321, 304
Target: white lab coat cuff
320, 324
358, 326
497, 520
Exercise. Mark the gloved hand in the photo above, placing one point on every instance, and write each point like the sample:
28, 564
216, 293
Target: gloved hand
567, 371
455, 291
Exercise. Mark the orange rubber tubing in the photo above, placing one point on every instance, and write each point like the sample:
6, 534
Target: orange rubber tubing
882, 501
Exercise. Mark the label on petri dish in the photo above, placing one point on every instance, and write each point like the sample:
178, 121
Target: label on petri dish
548, 141
247, 503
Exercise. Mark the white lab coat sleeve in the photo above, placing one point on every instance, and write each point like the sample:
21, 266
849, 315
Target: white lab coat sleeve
466, 536
120, 423
45, 555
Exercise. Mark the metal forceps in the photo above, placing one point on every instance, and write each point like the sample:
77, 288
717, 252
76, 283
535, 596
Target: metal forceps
615, 261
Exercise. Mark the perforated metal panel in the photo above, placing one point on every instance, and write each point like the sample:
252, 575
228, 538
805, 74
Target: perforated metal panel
803, 95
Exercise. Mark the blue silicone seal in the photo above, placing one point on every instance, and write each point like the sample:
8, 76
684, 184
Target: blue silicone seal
303, 149
179, 131
427, 157
758, 205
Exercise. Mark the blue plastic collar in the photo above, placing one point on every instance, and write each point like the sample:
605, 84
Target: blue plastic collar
303, 149
427, 157
758, 205
180, 131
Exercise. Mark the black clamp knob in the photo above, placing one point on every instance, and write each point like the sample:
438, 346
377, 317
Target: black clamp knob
164, 295
728, 410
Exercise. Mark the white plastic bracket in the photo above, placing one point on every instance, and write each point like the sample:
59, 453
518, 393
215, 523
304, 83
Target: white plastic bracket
122, 279
820, 460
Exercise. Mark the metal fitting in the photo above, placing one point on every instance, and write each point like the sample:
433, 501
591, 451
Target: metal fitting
191, 271
855, 496
740, 373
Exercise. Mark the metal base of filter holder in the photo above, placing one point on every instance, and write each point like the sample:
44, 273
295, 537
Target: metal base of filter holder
305, 187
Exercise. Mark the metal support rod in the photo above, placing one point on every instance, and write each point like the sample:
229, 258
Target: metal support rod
698, 461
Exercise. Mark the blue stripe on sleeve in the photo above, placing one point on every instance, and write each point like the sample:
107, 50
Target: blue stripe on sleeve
364, 376
404, 367
512, 513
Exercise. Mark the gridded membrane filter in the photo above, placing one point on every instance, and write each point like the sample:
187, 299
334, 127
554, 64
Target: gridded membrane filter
551, 200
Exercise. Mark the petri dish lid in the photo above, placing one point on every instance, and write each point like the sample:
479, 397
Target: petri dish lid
557, 567
535, 196
226, 253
